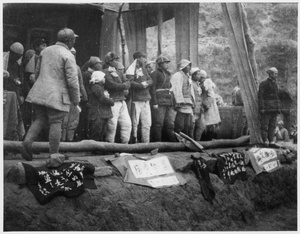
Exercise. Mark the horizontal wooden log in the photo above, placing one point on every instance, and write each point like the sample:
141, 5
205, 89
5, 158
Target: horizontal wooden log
91, 145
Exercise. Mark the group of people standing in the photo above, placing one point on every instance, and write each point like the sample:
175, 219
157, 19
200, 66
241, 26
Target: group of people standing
135, 105
104, 101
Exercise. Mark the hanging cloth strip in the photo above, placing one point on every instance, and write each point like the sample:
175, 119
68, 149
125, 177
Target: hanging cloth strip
201, 170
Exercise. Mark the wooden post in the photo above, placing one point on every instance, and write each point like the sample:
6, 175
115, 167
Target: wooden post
233, 20
186, 32
159, 28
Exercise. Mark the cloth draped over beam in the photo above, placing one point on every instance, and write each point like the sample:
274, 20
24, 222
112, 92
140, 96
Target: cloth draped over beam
242, 47
90, 145
135, 32
109, 32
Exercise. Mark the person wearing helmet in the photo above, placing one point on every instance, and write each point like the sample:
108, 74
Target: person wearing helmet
269, 106
161, 101
117, 85
55, 89
183, 96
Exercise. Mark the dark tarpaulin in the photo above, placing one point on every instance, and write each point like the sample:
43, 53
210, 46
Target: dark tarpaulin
234, 23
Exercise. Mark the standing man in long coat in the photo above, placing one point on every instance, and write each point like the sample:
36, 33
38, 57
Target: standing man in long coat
52, 94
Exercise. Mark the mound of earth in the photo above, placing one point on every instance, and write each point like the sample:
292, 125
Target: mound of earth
119, 206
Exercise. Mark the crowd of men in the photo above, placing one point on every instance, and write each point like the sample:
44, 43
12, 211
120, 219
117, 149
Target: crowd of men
103, 101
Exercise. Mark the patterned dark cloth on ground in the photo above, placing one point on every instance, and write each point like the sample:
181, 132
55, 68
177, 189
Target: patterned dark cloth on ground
69, 180
231, 166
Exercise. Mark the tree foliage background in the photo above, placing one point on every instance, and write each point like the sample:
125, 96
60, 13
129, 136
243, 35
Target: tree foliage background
274, 28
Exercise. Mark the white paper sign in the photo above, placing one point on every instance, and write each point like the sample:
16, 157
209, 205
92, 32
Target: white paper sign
153, 167
163, 181
263, 155
271, 165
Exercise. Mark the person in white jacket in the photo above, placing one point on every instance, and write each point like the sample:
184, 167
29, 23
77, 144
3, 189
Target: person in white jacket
184, 97
211, 111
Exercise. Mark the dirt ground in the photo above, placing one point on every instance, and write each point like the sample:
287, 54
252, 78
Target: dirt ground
264, 202
280, 219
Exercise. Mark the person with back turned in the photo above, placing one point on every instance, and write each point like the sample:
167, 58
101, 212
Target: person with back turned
56, 87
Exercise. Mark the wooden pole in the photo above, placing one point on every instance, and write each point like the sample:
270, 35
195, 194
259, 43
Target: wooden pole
91, 145
233, 21
159, 28
121, 33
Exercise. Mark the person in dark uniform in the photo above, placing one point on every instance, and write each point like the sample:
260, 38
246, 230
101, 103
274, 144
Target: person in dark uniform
269, 106
161, 101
